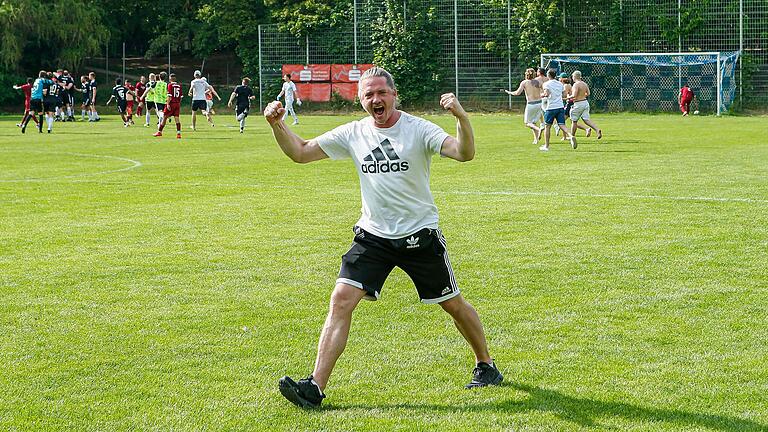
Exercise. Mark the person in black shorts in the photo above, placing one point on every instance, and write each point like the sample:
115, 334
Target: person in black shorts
392, 152
85, 89
67, 95
120, 94
243, 96
51, 101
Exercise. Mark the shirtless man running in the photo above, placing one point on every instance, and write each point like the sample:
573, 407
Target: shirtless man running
533, 112
580, 109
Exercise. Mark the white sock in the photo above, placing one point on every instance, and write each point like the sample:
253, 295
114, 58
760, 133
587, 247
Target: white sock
95, 115
83, 114
49, 120
242, 123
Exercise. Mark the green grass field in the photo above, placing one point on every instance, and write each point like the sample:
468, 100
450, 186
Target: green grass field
163, 284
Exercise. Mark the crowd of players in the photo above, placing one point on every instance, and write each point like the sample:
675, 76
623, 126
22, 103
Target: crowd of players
52, 97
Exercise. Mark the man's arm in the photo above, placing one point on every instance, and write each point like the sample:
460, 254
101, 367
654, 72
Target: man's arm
294, 146
461, 148
110, 100
519, 90
231, 98
190, 90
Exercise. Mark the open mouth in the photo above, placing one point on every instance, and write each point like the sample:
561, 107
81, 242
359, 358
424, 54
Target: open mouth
378, 110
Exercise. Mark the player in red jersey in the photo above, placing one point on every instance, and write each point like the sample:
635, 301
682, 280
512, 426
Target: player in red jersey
172, 107
27, 89
140, 86
130, 97
685, 97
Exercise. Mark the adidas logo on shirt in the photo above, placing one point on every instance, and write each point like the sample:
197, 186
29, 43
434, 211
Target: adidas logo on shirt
383, 159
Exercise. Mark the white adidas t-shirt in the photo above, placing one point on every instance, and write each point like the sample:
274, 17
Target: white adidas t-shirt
289, 88
393, 166
199, 86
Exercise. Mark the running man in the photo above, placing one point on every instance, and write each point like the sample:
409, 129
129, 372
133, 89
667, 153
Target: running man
580, 110
197, 89
533, 111
172, 106
684, 97
391, 151
244, 95
568, 102
27, 90
554, 92
289, 91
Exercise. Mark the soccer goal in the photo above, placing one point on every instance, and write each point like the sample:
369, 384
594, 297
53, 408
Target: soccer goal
651, 81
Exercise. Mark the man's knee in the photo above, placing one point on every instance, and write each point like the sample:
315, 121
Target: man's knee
345, 298
455, 305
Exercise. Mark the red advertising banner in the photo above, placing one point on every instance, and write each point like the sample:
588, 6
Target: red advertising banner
347, 91
346, 73
314, 92
307, 73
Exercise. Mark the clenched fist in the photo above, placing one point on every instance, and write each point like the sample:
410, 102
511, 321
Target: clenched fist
450, 102
274, 112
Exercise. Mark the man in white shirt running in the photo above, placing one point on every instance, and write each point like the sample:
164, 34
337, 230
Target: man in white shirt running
533, 112
197, 89
391, 151
289, 91
554, 91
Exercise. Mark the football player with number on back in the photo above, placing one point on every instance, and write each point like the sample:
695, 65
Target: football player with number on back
172, 106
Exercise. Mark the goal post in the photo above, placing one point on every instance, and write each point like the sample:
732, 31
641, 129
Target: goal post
651, 81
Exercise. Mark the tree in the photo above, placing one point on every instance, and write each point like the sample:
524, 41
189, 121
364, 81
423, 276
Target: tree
59, 33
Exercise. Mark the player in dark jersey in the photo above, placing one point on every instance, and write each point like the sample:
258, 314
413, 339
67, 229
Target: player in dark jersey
172, 106
51, 99
120, 93
67, 95
27, 90
243, 95
85, 89
94, 116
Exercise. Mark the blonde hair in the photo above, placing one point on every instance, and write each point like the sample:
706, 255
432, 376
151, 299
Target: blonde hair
576, 74
530, 73
379, 72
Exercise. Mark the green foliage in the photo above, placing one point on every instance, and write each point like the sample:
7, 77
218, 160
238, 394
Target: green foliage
59, 33
409, 52
302, 17
338, 103
541, 28
9, 96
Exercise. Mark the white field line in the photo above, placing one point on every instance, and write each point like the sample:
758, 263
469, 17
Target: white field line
134, 164
625, 196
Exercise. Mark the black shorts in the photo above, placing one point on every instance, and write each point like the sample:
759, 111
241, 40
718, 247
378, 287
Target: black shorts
50, 104
199, 105
121, 106
568, 106
36, 105
422, 256
159, 106
69, 99
86, 102
242, 109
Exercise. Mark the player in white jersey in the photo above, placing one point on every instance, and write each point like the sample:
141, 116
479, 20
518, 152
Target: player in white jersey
289, 91
533, 111
554, 92
197, 89
391, 151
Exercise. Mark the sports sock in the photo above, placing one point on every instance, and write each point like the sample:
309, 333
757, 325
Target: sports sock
242, 123
40, 122
83, 114
95, 115
178, 128
149, 115
49, 121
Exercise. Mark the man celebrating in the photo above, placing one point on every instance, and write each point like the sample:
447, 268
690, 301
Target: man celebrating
580, 110
533, 112
391, 151
243, 95
197, 89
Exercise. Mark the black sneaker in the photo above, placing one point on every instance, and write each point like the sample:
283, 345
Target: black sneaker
303, 394
484, 375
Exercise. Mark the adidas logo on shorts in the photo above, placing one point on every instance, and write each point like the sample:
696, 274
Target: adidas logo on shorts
413, 242
383, 159
446, 290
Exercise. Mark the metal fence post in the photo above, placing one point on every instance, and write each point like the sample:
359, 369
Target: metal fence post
261, 90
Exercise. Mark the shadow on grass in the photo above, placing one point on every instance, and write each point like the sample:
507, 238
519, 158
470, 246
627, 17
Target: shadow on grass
582, 411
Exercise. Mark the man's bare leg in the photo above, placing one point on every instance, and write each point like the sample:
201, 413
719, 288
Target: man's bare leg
468, 322
594, 126
333, 338
536, 132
